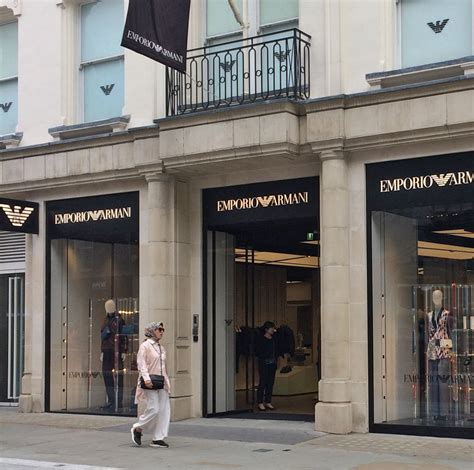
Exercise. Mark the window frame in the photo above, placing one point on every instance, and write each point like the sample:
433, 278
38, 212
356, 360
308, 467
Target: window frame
288, 23
399, 27
81, 66
251, 16
12, 78
228, 36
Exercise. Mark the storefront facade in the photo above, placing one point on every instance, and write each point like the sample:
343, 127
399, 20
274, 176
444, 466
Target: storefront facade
419, 222
261, 263
92, 261
331, 151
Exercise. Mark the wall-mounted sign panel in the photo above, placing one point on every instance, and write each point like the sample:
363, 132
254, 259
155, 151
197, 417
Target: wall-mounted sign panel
99, 218
260, 202
19, 216
422, 181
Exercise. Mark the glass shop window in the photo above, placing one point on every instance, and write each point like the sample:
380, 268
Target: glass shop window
94, 304
423, 315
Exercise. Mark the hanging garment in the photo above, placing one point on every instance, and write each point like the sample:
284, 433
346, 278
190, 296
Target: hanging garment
285, 339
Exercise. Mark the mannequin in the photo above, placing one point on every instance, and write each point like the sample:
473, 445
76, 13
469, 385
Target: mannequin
439, 352
113, 347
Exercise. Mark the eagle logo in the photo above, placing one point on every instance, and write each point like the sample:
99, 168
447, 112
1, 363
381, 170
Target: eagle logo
442, 179
438, 26
281, 56
16, 215
227, 65
107, 89
265, 201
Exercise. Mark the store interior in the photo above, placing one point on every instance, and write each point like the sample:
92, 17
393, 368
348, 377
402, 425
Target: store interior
91, 373
273, 275
424, 326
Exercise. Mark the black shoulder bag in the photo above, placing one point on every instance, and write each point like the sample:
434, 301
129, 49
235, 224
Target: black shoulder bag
157, 381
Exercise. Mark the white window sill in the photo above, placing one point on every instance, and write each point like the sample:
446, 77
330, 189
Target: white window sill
10, 140
85, 129
422, 73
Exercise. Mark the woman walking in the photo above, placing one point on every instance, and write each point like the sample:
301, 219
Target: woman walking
151, 360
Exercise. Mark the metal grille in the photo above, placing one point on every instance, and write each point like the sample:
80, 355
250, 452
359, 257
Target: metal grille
260, 68
12, 247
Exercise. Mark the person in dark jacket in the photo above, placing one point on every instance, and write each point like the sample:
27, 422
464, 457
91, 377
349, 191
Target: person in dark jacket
113, 348
266, 352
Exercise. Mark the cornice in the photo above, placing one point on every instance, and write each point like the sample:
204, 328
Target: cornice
81, 143
432, 134
206, 160
387, 95
67, 181
231, 114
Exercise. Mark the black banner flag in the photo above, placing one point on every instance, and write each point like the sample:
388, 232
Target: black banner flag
158, 29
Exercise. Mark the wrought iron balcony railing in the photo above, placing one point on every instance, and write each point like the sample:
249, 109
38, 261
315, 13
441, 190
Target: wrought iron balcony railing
260, 68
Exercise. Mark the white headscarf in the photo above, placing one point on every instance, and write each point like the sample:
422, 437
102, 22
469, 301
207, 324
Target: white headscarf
151, 327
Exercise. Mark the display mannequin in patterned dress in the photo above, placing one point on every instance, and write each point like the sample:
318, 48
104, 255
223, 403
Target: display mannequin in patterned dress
439, 353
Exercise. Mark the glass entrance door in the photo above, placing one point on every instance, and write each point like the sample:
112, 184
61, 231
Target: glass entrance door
246, 368
231, 372
12, 333
220, 317
257, 275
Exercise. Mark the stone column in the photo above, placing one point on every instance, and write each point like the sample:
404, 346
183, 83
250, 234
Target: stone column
165, 271
333, 413
32, 383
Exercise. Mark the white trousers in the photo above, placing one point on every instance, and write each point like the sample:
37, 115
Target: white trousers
156, 418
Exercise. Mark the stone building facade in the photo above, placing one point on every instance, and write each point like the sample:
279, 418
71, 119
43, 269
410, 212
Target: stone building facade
365, 108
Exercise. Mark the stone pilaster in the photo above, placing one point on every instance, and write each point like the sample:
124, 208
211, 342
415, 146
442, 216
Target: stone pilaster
32, 383
333, 413
167, 280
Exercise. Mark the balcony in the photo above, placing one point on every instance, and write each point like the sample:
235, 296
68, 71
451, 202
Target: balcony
260, 68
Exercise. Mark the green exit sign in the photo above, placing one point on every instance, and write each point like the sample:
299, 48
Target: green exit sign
310, 236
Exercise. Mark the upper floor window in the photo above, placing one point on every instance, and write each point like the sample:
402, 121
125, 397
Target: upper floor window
276, 14
8, 78
102, 64
435, 30
263, 16
220, 19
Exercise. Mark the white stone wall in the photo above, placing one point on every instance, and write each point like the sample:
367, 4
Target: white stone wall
350, 38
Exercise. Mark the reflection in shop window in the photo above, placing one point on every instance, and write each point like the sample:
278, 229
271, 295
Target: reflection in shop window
94, 308
423, 315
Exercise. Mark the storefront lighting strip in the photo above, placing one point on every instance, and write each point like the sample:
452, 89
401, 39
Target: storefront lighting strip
279, 259
458, 233
438, 250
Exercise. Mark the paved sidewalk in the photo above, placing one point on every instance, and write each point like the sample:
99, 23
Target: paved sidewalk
80, 442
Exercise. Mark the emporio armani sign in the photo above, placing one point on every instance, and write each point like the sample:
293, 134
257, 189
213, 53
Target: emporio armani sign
159, 49
93, 215
271, 200
158, 29
427, 181
19, 216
